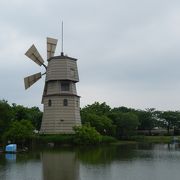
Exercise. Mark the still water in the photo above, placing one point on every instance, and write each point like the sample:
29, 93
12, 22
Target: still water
117, 162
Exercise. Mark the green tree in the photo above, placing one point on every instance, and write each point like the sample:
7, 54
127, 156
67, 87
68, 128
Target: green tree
19, 112
5, 116
147, 119
170, 119
96, 108
126, 124
102, 123
32, 114
122, 109
35, 116
96, 116
19, 132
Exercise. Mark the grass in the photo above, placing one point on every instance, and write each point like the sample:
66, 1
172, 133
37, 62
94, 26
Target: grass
154, 139
58, 138
147, 139
68, 139
63, 139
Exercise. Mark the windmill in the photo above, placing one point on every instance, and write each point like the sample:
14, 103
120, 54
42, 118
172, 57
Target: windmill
60, 101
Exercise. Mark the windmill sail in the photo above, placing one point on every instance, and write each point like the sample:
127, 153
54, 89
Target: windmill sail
51, 46
30, 80
34, 55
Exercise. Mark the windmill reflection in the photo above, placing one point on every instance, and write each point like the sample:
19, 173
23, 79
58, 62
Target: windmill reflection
60, 166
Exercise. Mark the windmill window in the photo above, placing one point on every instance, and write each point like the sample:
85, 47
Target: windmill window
65, 86
49, 102
65, 102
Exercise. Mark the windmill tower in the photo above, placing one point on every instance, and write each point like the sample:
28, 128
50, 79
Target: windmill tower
60, 101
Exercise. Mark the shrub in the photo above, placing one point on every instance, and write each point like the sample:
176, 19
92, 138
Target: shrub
86, 135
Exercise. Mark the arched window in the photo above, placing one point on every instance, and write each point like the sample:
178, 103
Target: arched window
65, 102
49, 102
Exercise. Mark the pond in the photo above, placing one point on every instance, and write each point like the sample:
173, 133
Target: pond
115, 162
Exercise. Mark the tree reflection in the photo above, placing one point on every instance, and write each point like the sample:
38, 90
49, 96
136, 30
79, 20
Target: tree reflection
106, 154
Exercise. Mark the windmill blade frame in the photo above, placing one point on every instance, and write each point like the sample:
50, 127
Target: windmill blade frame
34, 55
51, 46
30, 80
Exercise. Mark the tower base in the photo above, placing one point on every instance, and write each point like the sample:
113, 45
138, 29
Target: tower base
61, 114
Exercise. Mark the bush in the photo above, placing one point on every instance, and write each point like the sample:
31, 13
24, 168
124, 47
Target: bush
86, 135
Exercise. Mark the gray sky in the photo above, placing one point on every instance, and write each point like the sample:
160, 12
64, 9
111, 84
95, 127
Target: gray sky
128, 51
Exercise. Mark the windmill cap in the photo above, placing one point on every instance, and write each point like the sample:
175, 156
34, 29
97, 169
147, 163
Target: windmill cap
62, 57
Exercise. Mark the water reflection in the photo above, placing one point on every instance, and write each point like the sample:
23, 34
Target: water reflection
60, 165
135, 162
11, 157
25, 166
129, 162
106, 154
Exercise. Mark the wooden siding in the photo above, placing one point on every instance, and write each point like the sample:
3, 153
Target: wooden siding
58, 118
73, 90
72, 65
59, 69
54, 87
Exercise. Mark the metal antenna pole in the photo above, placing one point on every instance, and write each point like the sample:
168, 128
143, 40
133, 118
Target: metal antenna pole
62, 39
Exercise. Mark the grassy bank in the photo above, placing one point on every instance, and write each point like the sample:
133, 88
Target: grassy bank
67, 139
155, 139
57, 139
70, 139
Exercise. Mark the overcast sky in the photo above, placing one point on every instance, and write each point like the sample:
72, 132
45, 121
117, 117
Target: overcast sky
128, 51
